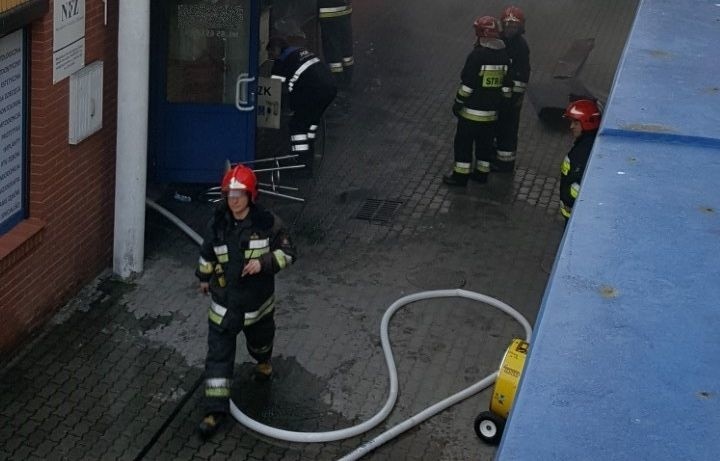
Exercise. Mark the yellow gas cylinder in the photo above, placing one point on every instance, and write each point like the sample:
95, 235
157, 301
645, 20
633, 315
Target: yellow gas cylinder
508, 378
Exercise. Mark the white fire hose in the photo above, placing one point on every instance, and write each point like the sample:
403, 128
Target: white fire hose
340, 434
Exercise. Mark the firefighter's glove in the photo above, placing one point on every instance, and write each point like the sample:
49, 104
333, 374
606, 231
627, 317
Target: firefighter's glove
204, 288
456, 109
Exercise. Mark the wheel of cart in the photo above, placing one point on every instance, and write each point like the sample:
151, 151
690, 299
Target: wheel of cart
489, 425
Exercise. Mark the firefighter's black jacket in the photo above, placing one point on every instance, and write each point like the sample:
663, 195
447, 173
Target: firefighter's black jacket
485, 80
519, 53
301, 70
229, 244
573, 169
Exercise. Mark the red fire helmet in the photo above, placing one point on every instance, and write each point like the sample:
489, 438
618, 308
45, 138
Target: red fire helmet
240, 177
513, 14
487, 27
586, 112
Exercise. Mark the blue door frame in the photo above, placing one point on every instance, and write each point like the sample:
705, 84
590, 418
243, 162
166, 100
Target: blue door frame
193, 132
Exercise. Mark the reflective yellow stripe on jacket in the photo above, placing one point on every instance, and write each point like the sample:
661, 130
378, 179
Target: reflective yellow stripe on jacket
267, 307
283, 259
478, 115
565, 210
574, 190
334, 12
258, 247
518, 86
216, 313
222, 253
204, 266
565, 167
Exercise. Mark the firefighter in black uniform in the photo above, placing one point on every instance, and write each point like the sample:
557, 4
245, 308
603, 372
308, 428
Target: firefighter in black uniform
310, 89
244, 247
485, 88
513, 25
584, 116
337, 39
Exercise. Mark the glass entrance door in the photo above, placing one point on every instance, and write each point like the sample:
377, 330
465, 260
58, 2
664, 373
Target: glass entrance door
204, 63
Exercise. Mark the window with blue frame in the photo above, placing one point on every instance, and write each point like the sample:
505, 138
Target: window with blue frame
13, 131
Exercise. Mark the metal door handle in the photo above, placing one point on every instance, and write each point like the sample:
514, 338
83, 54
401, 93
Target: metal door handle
241, 88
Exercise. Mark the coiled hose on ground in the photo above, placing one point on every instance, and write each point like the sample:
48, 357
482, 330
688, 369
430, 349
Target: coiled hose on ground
309, 437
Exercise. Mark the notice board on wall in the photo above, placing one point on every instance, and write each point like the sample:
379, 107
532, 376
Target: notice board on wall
12, 131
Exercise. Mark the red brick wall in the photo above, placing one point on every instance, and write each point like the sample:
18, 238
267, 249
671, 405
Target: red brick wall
72, 188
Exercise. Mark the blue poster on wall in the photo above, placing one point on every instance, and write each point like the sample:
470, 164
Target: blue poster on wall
12, 131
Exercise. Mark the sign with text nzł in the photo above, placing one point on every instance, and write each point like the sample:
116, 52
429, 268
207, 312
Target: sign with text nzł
68, 38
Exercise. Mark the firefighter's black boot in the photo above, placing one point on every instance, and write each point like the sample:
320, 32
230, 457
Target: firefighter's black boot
303, 158
502, 167
263, 371
479, 177
210, 425
455, 179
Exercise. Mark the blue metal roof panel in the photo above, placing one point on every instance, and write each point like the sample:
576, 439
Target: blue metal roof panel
667, 82
623, 363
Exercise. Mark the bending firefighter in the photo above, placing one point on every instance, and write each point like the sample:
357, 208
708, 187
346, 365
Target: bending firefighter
485, 88
243, 248
311, 88
584, 116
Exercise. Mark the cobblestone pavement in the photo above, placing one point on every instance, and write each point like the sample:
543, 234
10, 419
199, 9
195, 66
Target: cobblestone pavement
116, 374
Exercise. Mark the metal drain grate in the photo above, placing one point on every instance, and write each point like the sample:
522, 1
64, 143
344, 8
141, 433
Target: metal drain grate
378, 211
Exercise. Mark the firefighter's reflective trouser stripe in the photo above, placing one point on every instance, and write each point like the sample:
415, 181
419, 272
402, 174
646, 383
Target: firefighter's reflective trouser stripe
299, 143
303, 142
482, 166
218, 387
312, 132
474, 137
220, 360
309, 107
311, 136
337, 41
462, 167
507, 129
505, 156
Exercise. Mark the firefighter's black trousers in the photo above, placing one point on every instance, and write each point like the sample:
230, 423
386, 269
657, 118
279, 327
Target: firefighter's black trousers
220, 361
481, 135
337, 44
508, 125
309, 107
